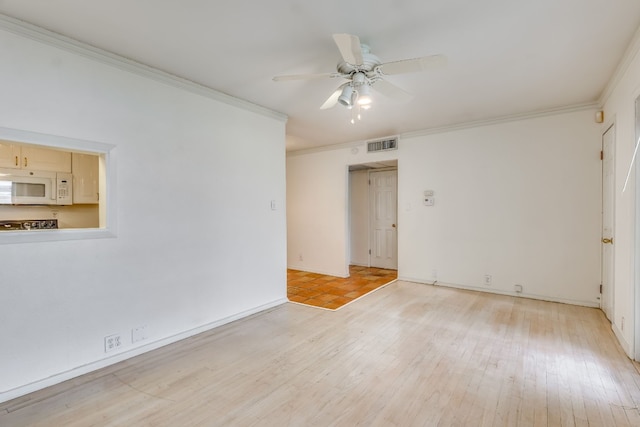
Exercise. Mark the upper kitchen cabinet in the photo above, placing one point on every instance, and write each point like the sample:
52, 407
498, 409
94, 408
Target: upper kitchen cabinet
31, 157
44, 159
85, 178
9, 155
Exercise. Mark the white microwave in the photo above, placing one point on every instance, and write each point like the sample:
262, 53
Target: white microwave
22, 187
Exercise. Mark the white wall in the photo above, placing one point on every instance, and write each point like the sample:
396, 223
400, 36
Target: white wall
316, 214
619, 109
197, 242
519, 201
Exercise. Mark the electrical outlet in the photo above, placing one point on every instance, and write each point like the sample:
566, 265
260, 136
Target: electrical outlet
434, 274
300, 257
112, 342
139, 334
517, 288
487, 280
622, 324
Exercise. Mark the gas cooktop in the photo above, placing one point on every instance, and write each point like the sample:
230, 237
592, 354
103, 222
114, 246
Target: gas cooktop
28, 224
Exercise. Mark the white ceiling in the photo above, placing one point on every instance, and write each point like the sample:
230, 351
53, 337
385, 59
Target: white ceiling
505, 57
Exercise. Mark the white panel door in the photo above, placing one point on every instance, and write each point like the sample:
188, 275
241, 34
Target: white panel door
608, 186
384, 201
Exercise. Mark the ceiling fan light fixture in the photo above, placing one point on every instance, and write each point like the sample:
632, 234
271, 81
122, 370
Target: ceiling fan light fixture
364, 95
346, 97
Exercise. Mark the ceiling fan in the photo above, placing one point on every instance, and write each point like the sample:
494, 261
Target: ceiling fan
363, 72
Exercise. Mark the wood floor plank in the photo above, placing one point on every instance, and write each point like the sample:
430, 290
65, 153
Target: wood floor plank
406, 355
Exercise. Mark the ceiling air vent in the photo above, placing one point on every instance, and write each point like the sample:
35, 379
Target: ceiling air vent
382, 145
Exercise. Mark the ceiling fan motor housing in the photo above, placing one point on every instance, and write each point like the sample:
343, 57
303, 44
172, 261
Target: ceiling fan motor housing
369, 62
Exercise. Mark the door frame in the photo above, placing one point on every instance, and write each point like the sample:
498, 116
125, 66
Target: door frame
372, 167
636, 264
607, 296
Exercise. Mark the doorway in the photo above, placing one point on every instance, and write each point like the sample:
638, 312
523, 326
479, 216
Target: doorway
373, 237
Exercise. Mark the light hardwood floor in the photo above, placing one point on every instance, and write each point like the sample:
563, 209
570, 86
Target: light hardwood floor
406, 355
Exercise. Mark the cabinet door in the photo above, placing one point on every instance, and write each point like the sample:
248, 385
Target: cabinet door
44, 159
85, 178
9, 155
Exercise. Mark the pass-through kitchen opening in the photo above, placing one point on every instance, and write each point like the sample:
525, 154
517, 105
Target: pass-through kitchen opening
45, 188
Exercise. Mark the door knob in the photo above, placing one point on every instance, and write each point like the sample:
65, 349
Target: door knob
605, 240
393, 225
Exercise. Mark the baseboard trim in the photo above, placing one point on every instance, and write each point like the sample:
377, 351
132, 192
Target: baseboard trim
500, 292
14, 393
311, 270
360, 264
626, 347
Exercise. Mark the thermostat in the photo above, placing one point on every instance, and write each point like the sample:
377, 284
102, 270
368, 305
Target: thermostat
428, 198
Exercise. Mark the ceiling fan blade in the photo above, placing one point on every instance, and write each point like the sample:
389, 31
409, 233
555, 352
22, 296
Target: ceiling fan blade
412, 65
391, 90
333, 99
349, 47
305, 76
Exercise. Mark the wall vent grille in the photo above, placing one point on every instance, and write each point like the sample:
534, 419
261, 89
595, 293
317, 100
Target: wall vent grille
382, 145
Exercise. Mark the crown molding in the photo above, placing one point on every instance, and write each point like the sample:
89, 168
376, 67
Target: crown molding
629, 56
503, 119
51, 38
454, 127
322, 148
341, 145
